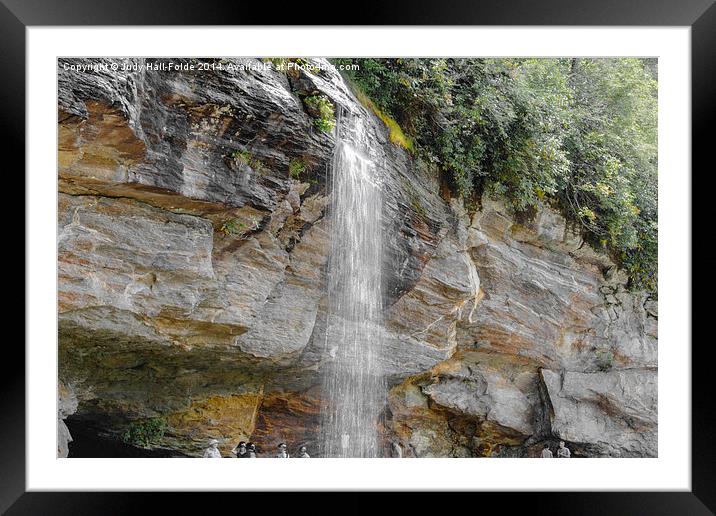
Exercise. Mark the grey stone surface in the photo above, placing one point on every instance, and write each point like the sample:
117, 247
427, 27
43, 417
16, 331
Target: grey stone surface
546, 298
614, 412
485, 396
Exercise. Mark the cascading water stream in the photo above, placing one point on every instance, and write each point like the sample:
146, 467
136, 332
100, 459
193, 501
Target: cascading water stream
354, 387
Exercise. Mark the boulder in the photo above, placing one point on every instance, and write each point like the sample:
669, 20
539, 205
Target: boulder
614, 413
482, 401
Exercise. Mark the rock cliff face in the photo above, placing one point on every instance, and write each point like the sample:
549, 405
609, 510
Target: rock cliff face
192, 282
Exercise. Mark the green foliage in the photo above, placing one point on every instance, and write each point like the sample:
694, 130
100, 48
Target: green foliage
296, 168
580, 134
235, 226
604, 360
395, 132
145, 433
241, 156
613, 150
320, 107
244, 157
232, 227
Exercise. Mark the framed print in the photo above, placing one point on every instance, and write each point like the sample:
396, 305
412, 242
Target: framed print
354, 244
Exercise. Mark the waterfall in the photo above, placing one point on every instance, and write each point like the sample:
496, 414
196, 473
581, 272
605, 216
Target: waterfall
353, 385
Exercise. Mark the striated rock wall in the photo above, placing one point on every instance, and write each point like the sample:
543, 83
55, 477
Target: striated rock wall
501, 331
557, 348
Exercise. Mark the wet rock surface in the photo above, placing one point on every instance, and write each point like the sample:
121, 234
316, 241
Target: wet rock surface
192, 283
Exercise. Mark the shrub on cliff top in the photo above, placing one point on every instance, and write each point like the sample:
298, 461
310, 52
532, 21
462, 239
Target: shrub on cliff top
580, 134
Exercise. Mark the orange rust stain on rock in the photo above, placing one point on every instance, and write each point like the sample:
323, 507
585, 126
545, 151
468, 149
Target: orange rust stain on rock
288, 417
504, 342
100, 145
227, 418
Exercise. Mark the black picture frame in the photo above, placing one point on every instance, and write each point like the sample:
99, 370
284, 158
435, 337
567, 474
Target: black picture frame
700, 15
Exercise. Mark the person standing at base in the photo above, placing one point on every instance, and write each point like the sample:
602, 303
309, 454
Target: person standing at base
302, 453
546, 453
241, 451
251, 450
563, 452
282, 453
212, 452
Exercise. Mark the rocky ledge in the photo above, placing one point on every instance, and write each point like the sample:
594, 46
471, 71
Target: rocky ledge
192, 283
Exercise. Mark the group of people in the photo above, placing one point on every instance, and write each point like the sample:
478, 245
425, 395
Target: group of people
245, 450
562, 451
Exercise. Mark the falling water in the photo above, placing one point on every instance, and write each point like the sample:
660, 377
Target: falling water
354, 389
